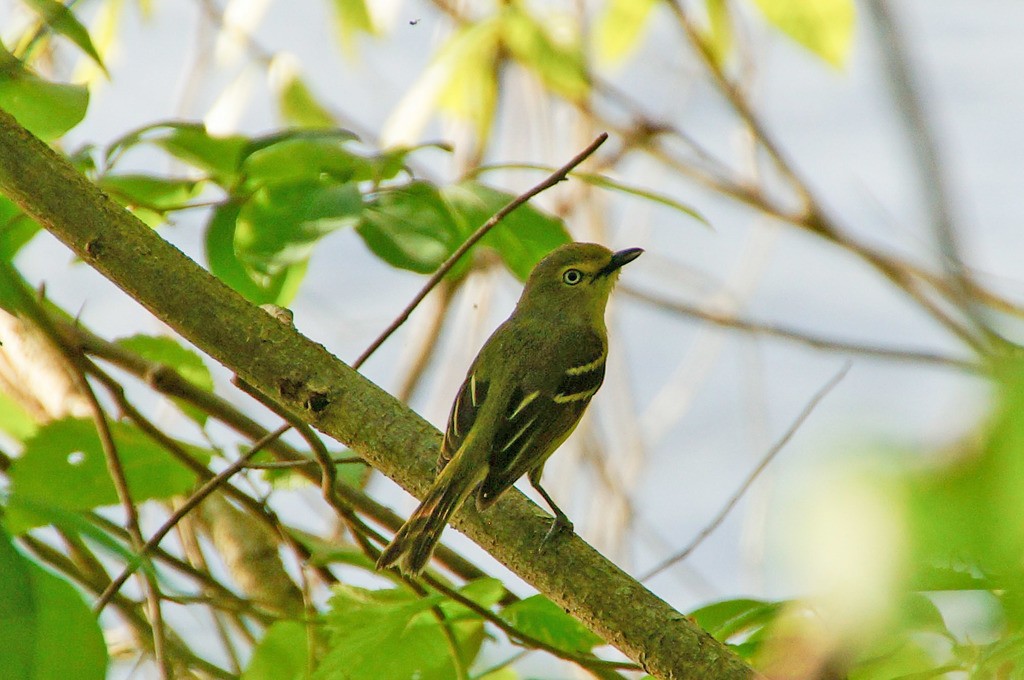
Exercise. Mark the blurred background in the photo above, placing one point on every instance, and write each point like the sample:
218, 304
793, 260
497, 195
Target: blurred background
818, 187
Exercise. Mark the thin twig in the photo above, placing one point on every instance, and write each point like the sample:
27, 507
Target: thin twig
815, 341
583, 660
328, 474
552, 179
292, 464
170, 383
765, 461
924, 147
194, 500
76, 361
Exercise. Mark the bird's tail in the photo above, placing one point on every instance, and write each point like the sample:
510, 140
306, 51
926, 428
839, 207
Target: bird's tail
414, 543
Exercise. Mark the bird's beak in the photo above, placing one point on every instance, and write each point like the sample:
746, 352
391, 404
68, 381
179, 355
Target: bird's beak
620, 258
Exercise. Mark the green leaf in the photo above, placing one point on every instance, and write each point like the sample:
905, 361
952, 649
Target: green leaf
543, 619
620, 26
467, 66
47, 630
63, 466
352, 18
16, 229
301, 158
825, 27
46, 109
559, 66
521, 239
281, 654
219, 156
190, 142
166, 351
61, 20
383, 634
730, 617
221, 257
718, 36
14, 420
298, 106
410, 227
150, 197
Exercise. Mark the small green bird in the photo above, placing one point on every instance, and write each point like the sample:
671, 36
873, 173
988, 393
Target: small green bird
523, 395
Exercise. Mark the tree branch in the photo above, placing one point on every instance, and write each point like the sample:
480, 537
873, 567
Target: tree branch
306, 379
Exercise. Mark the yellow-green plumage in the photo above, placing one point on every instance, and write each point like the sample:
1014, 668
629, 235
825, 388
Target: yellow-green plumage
523, 395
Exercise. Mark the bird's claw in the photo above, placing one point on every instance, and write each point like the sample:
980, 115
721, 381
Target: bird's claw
559, 525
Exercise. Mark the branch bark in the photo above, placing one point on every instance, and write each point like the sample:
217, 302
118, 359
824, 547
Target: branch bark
305, 378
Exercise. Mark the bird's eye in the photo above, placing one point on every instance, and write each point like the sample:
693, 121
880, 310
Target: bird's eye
572, 276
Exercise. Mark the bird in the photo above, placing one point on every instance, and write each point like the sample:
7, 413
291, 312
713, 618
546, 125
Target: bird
522, 397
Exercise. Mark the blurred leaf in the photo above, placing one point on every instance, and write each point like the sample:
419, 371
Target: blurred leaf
521, 239
730, 617
410, 227
825, 27
63, 466
220, 157
16, 229
46, 109
74, 522
150, 197
298, 106
486, 592
221, 257
467, 68
958, 510
47, 629
559, 66
281, 654
15, 421
386, 633
261, 247
541, 618
280, 224
300, 157
353, 18
718, 36
620, 27
165, 351
896, 657
61, 20
103, 30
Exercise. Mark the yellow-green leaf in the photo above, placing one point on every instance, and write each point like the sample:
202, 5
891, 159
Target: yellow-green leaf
620, 27
559, 65
63, 21
825, 27
718, 36
298, 105
468, 65
352, 18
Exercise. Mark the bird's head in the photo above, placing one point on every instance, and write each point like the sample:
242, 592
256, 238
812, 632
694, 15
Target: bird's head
575, 278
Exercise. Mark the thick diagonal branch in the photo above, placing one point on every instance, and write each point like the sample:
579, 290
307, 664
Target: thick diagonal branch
305, 378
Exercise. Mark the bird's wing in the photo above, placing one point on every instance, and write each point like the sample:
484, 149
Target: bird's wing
464, 412
541, 412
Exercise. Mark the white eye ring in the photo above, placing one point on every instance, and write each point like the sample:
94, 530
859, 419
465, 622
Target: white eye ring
572, 276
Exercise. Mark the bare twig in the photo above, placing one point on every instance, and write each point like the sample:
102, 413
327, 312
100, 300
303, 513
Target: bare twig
584, 660
195, 499
815, 341
765, 461
925, 150
552, 179
33, 310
